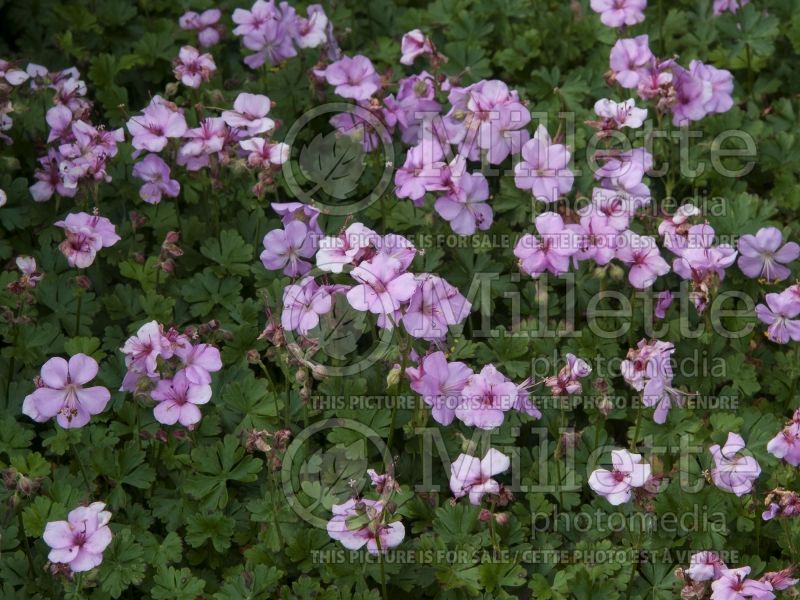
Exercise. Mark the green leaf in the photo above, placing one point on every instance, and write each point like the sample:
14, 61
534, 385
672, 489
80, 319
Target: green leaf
230, 252
174, 584
215, 527
215, 466
334, 163
123, 564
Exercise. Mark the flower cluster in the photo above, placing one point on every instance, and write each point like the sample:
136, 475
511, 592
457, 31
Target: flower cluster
61, 392
172, 370
648, 369
727, 583
687, 94
425, 304
242, 131
274, 32
781, 503
363, 521
453, 390
79, 150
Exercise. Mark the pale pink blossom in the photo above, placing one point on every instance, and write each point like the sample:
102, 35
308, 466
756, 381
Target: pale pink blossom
733, 472
472, 476
63, 395
628, 472
80, 541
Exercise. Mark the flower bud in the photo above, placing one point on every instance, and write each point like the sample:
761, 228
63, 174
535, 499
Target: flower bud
84, 282
393, 378
253, 357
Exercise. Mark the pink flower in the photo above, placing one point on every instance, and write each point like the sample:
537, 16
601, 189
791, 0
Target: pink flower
619, 13
629, 472
199, 361
629, 59
62, 394
208, 138
382, 287
705, 566
780, 580
359, 522
473, 476
152, 129
544, 168
348, 248
551, 250
250, 113
354, 78
663, 303
303, 303
193, 68
251, 22
13, 76
734, 585
648, 369
433, 307
465, 206
206, 24
80, 540
440, 385
59, 118
625, 171
762, 255
596, 238
721, 6
567, 381
313, 31
620, 114
263, 153
700, 91
486, 117
641, 253
786, 445
733, 472
414, 44
178, 399
156, 175
86, 235
423, 171
485, 399
286, 248
143, 349
779, 313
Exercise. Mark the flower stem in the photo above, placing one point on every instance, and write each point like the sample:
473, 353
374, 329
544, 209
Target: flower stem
80, 465
271, 385
78, 313
383, 569
638, 425
26, 544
